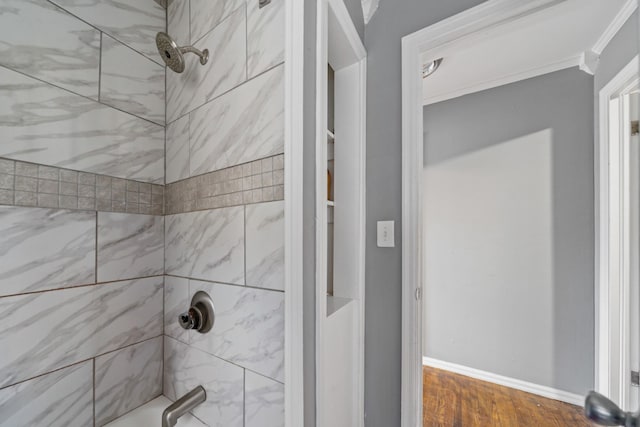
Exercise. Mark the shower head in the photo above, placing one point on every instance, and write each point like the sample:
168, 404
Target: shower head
172, 54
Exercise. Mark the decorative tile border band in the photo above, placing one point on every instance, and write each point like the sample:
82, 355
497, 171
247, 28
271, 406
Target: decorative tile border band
255, 182
30, 184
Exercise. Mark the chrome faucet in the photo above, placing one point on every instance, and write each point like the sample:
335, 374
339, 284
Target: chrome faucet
183, 405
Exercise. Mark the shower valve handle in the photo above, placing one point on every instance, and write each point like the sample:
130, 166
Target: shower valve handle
201, 314
190, 319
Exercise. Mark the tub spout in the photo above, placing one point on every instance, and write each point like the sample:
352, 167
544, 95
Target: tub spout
183, 405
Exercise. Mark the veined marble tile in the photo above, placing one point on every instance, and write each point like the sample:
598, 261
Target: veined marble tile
226, 68
206, 245
242, 125
131, 82
128, 378
178, 150
207, 14
46, 331
176, 301
133, 22
40, 123
60, 399
263, 401
178, 22
185, 368
129, 246
265, 36
249, 327
132, 312
265, 245
45, 249
43, 41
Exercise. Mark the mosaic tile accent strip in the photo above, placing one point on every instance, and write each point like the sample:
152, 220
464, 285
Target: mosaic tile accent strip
30, 184
255, 182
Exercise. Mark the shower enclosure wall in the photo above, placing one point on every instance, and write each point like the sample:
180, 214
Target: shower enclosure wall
107, 230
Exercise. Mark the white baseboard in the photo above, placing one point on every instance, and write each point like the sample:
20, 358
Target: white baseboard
540, 390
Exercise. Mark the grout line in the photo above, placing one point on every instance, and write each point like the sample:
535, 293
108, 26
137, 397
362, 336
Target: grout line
246, 41
215, 282
78, 94
79, 362
230, 90
94, 392
53, 2
100, 69
83, 285
227, 361
96, 243
245, 243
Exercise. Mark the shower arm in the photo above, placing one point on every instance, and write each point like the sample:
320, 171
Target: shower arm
204, 54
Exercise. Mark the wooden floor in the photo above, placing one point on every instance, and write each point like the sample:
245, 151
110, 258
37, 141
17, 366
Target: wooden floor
454, 400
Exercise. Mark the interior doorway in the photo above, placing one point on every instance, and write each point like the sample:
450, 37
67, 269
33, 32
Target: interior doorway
564, 192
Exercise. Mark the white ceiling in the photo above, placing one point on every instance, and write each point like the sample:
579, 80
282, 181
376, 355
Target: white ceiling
544, 41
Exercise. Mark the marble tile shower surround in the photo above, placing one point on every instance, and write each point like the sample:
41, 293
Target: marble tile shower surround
44, 249
50, 330
249, 329
43, 124
131, 82
255, 182
226, 69
207, 245
29, 403
30, 184
129, 246
132, 22
111, 128
186, 367
263, 401
126, 379
264, 235
63, 51
75, 97
240, 126
265, 33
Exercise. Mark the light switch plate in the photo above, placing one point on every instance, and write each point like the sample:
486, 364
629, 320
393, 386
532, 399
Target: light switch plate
386, 238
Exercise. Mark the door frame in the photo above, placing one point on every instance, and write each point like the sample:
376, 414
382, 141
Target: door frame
293, 202
612, 257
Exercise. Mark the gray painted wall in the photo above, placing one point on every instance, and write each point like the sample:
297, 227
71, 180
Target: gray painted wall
517, 320
622, 48
392, 21
309, 212
355, 10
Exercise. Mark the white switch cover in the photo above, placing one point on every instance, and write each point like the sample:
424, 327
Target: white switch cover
386, 238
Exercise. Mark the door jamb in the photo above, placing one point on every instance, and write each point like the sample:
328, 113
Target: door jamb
612, 289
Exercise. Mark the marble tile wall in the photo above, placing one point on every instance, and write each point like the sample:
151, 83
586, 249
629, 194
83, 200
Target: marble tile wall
263, 400
82, 173
224, 231
128, 378
129, 246
80, 88
231, 111
249, 328
29, 403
